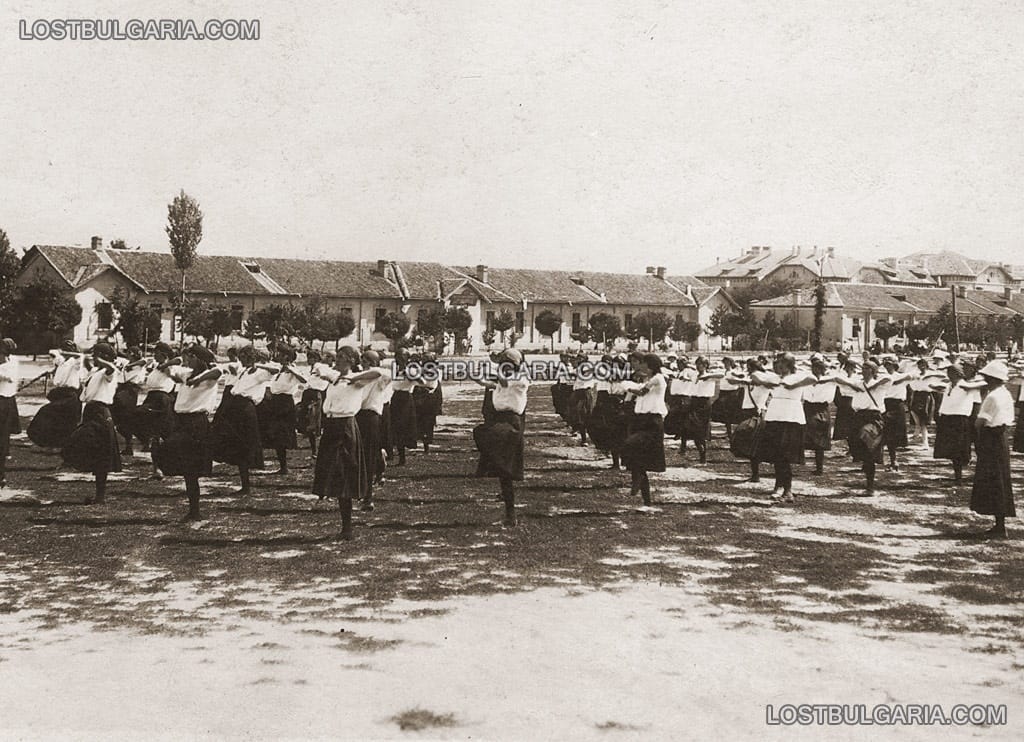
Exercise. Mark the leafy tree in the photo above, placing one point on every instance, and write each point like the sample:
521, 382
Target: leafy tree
606, 327
488, 338
884, 330
184, 232
394, 325
504, 322
583, 335
458, 321
41, 307
767, 328
339, 324
136, 323
652, 327
685, 331
941, 325
760, 290
120, 244
9, 267
274, 321
431, 325
727, 323
547, 324
820, 302
918, 330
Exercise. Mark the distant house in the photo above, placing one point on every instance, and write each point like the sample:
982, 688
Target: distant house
799, 265
368, 290
947, 268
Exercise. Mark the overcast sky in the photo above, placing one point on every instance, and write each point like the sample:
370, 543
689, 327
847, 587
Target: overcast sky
612, 135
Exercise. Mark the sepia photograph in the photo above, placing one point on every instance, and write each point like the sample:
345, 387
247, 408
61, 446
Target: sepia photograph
511, 370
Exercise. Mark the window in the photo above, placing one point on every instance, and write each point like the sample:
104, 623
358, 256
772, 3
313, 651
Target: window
490, 321
156, 307
856, 327
421, 316
378, 318
628, 322
679, 320
520, 322
237, 315
104, 316
345, 310
576, 322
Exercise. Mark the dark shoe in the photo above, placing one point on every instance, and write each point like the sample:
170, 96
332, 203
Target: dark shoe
995, 532
367, 506
244, 491
346, 534
510, 521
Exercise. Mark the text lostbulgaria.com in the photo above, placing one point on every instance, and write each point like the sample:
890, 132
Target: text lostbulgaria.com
906, 714
137, 29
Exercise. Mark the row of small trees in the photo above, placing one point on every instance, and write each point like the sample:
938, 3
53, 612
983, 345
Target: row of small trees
604, 329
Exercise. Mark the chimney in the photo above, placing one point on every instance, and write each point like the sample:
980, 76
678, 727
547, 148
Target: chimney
660, 272
650, 270
796, 297
481, 273
961, 292
97, 243
831, 251
382, 266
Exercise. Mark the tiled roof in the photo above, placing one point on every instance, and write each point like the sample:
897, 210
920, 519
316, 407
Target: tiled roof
631, 288
422, 278
865, 296
760, 263
67, 260
209, 274
944, 263
683, 281
896, 272
538, 286
335, 278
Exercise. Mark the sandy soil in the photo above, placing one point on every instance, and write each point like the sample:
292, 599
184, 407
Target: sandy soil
598, 618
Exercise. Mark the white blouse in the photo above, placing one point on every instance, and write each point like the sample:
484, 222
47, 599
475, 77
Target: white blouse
341, 398
199, 398
158, 381
823, 391
705, 388
69, 373
511, 398
377, 392
100, 387
997, 409
313, 381
285, 382
252, 384
957, 400
786, 405
862, 399
9, 377
651, 402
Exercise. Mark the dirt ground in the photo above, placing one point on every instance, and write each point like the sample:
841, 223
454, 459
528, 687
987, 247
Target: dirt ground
597, 618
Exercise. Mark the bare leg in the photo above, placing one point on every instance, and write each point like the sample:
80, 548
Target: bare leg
282, 460
345, 505
819, 461
243, 474
192, 490
508, 494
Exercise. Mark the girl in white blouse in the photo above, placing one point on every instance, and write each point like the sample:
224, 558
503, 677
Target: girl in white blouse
816, 400
309, 413
644, 448
186, 451
235, 433
954, 430
864, 435
894, 397
54, 422
8, 405
279, 421
782, 441
992, 491
697, 420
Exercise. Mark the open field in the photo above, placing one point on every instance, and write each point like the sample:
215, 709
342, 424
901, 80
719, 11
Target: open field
597, 618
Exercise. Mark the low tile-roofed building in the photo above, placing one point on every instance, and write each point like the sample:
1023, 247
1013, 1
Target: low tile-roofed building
331, 277
155, 272
798, 263
68, 261
879, 298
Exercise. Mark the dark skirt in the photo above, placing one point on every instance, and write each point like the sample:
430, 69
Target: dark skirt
992, 492
370, 432
341, 465
487, 410
644, 447
93, 445
403, 420
1018, 430
922, 405
309, 414
678, 408
895, 419
235, 433
154, 418
865, 436
126, 402
726, 408
56, 420
9, 425
781, 442
844, 417
818, 430
607, 423
560, 394
428, 406
278, 421
697, 421
581, 402
186, 451
500, 443
953, 438
387, 441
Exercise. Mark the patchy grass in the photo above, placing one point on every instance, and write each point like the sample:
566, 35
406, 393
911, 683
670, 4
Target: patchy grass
416, 720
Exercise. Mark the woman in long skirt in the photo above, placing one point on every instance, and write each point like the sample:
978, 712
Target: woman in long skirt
605, 423
428, 399
235, 433
186, 451
954, 433
582, 397
842, 400
644, 448
894, 394
404, 433
726, 407
93, 447
279, 421
816, 399
310, 410
679, 377
57, 419
126, 398
9, 423
155, 416
696, 425
865, 429
992, 492
922, 402
369, 419
561, 389
500, 437
782, 442
340, 471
